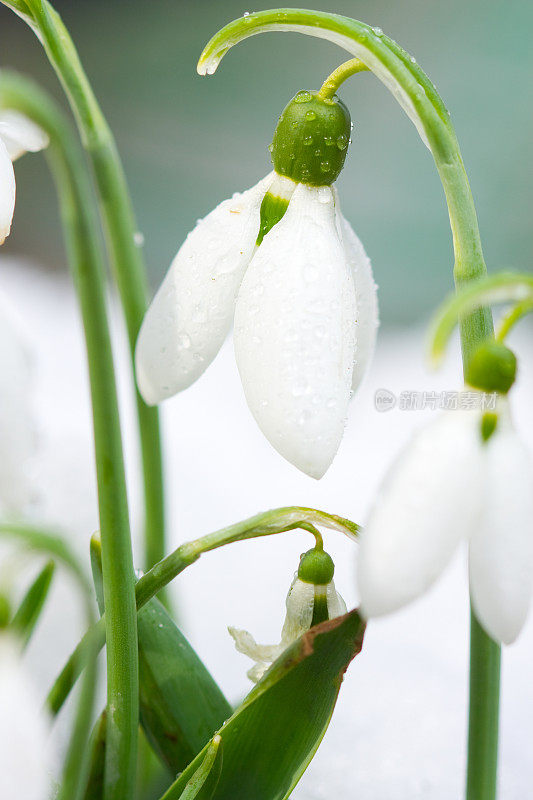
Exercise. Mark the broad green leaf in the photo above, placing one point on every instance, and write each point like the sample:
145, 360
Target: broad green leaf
29, 610
273, 735
181, 706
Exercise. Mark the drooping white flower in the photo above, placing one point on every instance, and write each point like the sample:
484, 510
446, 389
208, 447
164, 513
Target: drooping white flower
308, 603
26, 758
282, 260
305, 312
18, 135
451, 485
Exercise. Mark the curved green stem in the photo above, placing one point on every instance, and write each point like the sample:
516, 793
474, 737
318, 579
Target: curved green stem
75, 771
119, 222
516, 313
420, 100
81, 234
280, 520
498, 288
338, 76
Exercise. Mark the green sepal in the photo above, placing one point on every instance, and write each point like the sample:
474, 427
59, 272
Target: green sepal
272, 210
489, 422
492, 367
311, 139
31, 606
181, 706
316, 567
5, 611
273, 735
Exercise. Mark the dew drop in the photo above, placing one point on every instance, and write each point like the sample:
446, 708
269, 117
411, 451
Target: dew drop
325, 166
378, 31
342, 142
294, 124
303, 97
308, 140
184, 341
138, 239
310, 115
270, 147
329, 140
412, 60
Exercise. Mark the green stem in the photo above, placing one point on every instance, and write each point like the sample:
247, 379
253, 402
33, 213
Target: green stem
81, 233
279, 520
119, 222
419, 98
338, 76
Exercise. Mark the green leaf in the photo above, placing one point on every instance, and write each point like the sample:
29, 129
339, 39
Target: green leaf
204, 782
273, 735
29, 610
181, 706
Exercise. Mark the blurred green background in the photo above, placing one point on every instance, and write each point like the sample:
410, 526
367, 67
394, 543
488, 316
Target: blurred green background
189, 142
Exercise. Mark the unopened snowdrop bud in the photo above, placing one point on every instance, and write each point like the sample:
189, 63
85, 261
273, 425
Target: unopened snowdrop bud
312, 599
492, 368
311, 139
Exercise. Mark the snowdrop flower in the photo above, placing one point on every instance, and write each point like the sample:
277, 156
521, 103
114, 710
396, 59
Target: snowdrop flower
312, 599
25, 753
466, 476
282, 261
18, 135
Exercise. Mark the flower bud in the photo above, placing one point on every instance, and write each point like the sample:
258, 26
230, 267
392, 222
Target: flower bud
492, 368
311, 139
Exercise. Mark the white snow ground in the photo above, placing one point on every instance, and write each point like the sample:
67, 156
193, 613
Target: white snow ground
399, 728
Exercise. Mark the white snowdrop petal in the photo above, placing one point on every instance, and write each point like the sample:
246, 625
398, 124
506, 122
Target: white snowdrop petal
300, 604
191, 314
501, 549
336, 605
246, 644
7, 192
294, 333
429, 501
367, 322
25, 754
17, 424
20, 134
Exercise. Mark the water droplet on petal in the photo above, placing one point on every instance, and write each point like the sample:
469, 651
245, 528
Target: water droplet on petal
324, 194
184, 341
